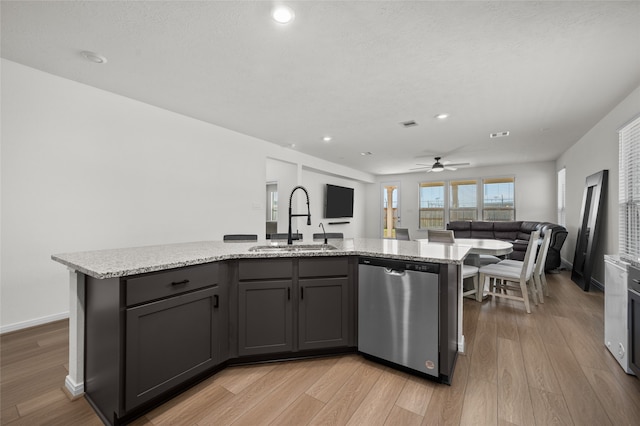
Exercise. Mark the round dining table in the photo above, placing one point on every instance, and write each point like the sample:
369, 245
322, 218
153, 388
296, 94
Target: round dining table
484, 246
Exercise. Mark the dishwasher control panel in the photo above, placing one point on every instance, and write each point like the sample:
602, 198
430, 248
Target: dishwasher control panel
401, 265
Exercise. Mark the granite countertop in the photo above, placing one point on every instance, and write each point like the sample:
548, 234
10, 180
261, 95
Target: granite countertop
113, 263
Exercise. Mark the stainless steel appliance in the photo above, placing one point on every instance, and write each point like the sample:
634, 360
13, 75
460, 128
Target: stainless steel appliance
399, 316
634, 319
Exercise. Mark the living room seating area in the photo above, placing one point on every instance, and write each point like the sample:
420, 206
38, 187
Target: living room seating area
516, 232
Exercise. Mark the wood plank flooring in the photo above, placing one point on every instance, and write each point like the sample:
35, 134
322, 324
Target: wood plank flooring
547, 367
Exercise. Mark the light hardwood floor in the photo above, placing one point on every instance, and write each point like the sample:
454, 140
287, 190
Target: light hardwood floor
547, 367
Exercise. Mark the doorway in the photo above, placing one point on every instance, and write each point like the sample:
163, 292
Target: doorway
272, 209
390, 208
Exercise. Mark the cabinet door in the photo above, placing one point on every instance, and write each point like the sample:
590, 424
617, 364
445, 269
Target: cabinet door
265, 317
323, 313
168, 342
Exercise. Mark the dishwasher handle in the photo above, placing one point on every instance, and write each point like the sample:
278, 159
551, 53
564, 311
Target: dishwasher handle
395, 272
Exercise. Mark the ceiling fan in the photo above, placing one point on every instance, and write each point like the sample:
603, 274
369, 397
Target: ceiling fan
438, 166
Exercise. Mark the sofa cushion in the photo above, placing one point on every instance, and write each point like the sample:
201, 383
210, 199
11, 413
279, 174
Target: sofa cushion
480, 229
507, 231
526, 228
460, 228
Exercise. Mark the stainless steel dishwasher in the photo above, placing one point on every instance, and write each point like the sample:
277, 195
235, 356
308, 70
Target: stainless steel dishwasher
398, 315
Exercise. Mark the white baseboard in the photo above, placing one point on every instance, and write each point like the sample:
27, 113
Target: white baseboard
32, 323
461, 344
75, 389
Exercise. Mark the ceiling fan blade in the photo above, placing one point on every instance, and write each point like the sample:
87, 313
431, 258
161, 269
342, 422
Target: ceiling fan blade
450, 168
455, 164
420, 168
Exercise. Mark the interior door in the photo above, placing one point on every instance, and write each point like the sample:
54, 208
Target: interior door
390, 200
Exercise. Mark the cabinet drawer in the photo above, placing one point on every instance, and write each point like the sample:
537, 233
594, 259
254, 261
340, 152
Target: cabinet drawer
170, 283
324, 267
265, 269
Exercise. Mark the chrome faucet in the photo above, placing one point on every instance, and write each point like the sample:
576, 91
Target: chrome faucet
308, 215
324, 232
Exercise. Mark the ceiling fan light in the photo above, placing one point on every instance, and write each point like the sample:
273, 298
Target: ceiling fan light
437, 168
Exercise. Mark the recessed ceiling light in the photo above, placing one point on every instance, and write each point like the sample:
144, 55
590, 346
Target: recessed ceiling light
327, 138
283, 14
93, 57
366, 153
442, 116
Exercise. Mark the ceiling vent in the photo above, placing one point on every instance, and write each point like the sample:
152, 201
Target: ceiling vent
410, 123
499, 134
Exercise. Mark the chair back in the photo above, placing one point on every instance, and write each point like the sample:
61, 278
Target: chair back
542, 253
530, 256
440, 236
280, 236
402, 234
240, 237
330, 236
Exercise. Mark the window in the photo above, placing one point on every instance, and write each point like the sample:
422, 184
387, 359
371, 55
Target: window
562, 214
498, 199
432, 205
629, 197
463, 200
466, 200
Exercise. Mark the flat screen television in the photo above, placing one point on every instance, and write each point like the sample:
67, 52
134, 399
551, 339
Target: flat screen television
338, 202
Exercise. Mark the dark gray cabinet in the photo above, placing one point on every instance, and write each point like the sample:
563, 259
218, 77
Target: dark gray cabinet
287, 305
324, 302
323, 313
265, 317
150, 335
265, 309
169, 341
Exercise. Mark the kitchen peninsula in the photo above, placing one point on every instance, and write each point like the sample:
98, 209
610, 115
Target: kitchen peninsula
147, 322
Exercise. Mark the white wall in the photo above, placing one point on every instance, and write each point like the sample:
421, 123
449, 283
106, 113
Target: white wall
289, 175
86, 169
596, 150
315, 182
535, 195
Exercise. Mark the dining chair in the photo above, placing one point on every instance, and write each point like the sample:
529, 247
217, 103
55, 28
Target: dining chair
240, 237
488, 259
538, 271
468, 271
440, 236
296, 237
500, 276
330, 236
402, 234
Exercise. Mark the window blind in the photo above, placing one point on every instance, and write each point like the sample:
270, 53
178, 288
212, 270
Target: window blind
629, 196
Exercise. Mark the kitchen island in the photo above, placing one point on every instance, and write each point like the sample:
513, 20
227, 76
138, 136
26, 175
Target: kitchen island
249, 305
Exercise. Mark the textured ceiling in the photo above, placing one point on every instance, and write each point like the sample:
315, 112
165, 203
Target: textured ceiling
545, 71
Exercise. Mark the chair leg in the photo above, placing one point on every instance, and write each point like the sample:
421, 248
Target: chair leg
525, 295
543, 279
531, 284
481, 286
476, 286
538, 280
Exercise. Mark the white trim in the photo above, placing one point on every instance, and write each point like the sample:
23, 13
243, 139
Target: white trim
75, 389
34, 322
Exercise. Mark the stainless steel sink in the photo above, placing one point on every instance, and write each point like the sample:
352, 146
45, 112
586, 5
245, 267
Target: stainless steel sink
293, 248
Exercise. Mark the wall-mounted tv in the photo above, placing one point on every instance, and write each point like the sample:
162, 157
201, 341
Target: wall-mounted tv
338, 202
